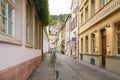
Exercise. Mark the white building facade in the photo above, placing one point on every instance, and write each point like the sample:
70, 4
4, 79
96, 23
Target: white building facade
74, 28
67, 35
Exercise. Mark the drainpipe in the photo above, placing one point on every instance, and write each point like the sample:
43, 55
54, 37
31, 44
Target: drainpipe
42, 43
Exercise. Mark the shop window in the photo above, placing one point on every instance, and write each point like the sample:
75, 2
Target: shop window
93, 43
86, 44
7, 16
118, 38
82, 45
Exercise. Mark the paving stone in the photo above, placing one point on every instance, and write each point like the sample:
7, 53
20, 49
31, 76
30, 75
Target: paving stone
70, 69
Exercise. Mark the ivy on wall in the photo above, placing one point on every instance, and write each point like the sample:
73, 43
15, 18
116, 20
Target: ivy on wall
42, 9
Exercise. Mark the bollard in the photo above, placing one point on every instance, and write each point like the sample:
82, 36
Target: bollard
57, 74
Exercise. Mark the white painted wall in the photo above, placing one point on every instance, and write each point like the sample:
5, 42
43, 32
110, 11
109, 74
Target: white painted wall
67, 35
45, 42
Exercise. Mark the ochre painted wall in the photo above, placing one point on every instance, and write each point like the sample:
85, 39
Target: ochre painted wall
113, 64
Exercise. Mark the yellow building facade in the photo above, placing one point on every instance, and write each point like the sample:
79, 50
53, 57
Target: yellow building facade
99, 33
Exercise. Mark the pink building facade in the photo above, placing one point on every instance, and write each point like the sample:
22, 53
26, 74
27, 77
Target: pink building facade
20, 39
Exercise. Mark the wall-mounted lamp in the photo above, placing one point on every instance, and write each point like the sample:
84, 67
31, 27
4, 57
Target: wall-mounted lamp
95, 31
107, 26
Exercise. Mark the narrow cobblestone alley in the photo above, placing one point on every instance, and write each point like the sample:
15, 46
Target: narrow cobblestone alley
86, 71
70, 69
44, 70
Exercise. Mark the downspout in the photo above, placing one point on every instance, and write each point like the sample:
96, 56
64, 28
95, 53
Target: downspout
42, 43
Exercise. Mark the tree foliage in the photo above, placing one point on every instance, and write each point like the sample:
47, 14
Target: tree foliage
42, 9
55, 18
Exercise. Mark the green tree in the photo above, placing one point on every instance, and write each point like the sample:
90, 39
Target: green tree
55, 18
42, 9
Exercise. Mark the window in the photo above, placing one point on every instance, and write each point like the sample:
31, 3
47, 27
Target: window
29, 24
7, 16
75, 21
82, 1
86, 44
36, 32
13, 1
93, 43
86, 14
72, 23
93, 7
40, 36
82, 19
82, 45
103, 2
118, 38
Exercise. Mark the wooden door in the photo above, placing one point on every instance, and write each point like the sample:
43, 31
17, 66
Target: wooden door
103, 32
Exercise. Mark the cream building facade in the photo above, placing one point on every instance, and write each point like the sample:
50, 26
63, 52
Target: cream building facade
99, 35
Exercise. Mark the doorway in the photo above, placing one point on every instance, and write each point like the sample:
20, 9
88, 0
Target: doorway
103, 37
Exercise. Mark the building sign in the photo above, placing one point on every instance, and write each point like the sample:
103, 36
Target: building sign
74, 39
107, 10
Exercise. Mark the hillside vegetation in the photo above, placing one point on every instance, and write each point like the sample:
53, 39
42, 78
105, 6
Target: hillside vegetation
57, 18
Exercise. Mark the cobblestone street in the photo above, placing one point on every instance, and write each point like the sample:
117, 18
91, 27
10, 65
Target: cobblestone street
44, 70
86, 71
70, 69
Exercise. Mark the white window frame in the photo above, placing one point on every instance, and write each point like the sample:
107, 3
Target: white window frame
8, 4
27, 22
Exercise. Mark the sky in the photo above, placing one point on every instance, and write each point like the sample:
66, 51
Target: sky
57, 7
